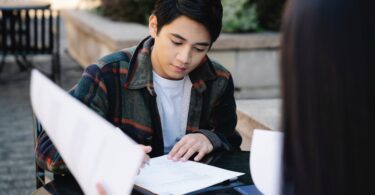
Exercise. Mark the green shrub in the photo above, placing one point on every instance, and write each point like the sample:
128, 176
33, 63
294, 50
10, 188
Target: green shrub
239, 16
127, 10
252, 15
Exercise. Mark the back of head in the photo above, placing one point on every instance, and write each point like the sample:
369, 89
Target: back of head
327, 85
206, 12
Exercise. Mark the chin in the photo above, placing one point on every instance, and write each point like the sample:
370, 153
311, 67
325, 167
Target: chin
176, 76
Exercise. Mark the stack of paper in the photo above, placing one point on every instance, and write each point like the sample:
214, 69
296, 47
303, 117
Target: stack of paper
165, 176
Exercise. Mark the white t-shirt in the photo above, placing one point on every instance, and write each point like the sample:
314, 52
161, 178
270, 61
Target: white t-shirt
173, 98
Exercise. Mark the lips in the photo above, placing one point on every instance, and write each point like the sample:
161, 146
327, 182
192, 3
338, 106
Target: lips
178, 69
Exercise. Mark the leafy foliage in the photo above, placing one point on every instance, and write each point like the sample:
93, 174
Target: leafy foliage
239, 16
127, 10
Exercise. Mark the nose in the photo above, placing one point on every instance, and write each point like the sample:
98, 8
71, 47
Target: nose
184, 55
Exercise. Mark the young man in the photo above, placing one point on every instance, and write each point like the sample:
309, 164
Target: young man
165, 93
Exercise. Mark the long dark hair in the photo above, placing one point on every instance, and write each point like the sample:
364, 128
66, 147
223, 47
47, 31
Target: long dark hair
328, 83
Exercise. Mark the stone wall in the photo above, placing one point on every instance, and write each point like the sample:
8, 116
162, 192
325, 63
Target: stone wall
252, 58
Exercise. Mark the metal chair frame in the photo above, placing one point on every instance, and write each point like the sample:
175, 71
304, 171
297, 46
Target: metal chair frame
28, 32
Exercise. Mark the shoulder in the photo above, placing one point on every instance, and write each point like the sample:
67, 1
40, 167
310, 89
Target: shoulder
118, 57
112, 63
220, 70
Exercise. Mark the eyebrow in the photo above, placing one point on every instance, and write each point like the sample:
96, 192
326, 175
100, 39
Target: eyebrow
199, 43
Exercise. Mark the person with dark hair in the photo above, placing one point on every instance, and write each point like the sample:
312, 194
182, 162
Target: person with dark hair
327, 68
165, 93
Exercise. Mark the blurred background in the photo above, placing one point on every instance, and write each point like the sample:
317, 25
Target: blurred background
84, 30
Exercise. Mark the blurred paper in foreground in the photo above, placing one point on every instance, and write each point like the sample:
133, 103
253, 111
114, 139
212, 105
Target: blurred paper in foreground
94, 150
265, 160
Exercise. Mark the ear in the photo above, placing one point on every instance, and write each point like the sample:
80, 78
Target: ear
153, 25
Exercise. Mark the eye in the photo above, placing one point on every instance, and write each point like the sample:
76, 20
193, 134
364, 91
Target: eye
176, 42
198, 49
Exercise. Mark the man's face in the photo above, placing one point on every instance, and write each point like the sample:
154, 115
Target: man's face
179, 47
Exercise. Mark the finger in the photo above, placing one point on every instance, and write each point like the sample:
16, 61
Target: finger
188, 154
100, 189
146, 159
181, 152
174, 150
146, 149
200, 155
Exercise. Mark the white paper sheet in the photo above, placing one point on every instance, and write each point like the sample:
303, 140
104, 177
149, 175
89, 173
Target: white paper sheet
265, 160
163, 176
93, 149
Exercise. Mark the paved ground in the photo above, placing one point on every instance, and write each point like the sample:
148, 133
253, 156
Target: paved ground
17, 169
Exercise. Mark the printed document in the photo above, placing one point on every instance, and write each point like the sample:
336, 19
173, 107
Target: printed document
93, 149
163, 176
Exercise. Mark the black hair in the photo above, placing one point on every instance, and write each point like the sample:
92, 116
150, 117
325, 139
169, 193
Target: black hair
328, 83
209, 13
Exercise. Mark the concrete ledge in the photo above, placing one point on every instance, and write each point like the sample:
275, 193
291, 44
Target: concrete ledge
247, 41
124, 34
90, 36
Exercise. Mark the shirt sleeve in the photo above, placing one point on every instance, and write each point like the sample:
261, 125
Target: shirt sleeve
47, 157
90, 90
224, 120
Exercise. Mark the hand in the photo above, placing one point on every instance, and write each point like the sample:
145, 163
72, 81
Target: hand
189, 145
100, 188
146, 149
